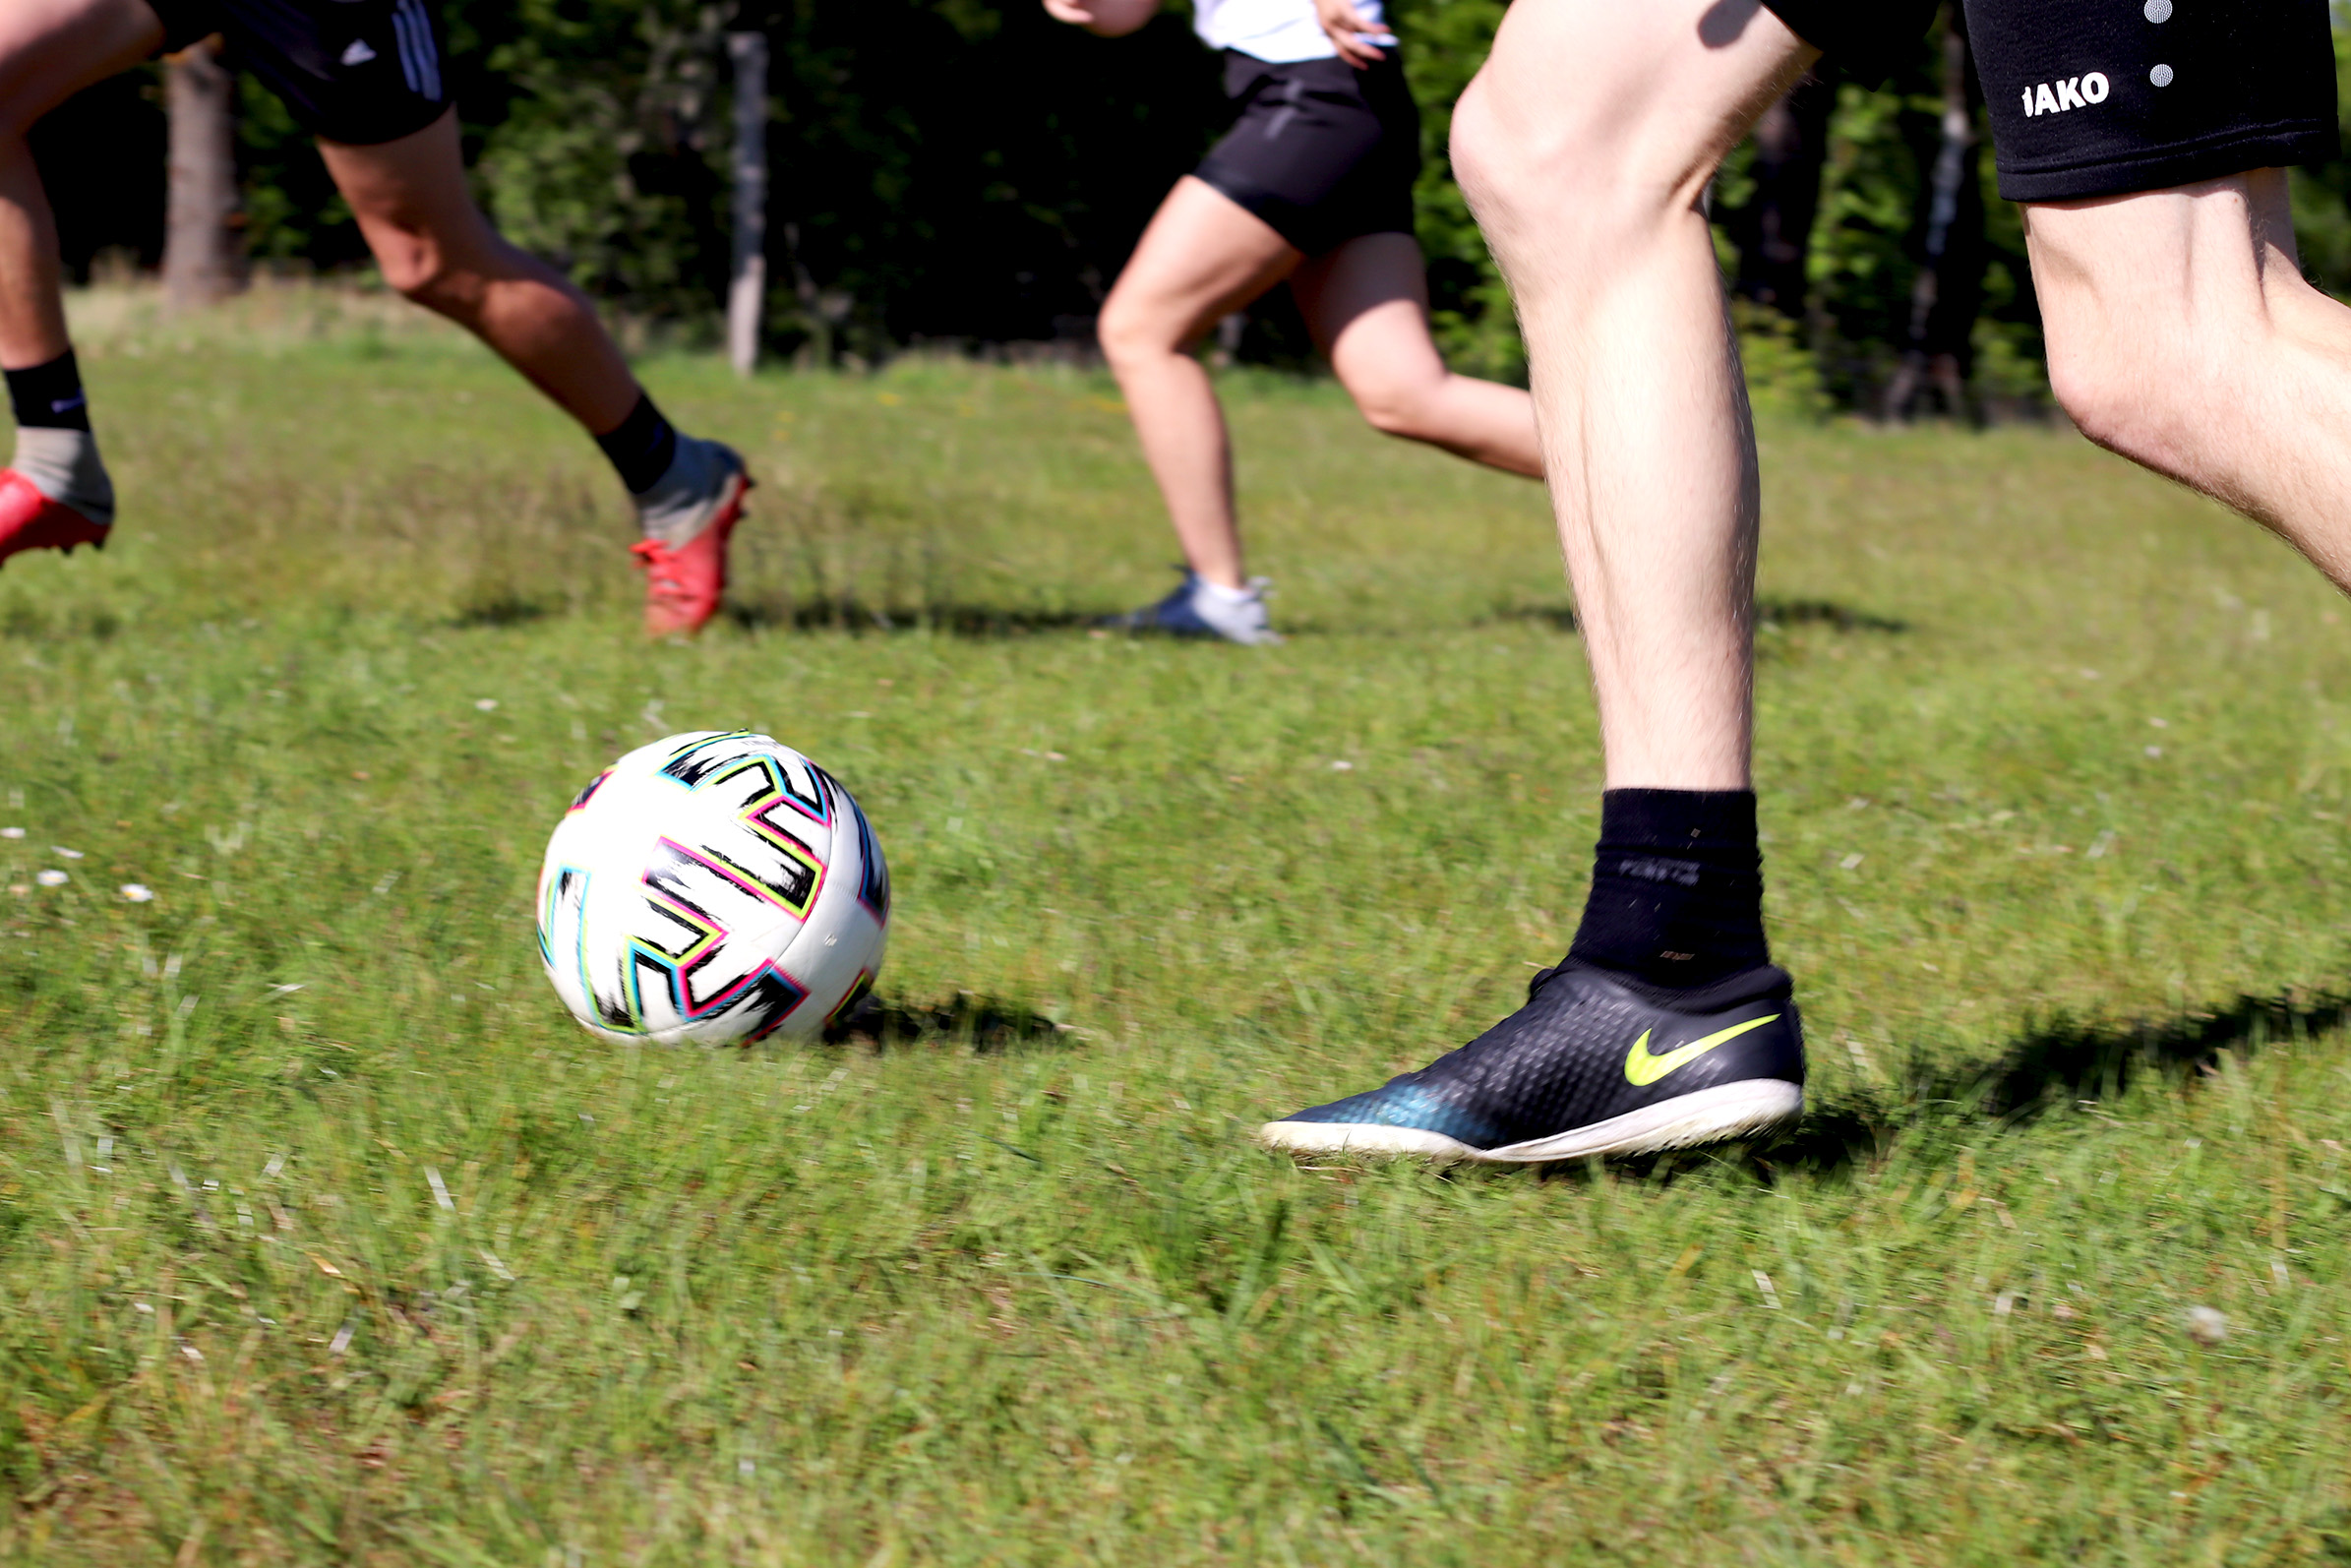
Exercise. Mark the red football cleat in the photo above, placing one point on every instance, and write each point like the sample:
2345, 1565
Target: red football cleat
31, 520
683, 582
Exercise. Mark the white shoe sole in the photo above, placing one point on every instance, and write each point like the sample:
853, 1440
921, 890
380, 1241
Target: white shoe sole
1710, 1116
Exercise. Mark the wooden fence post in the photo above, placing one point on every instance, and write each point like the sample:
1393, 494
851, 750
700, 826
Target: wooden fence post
746, 291
203, 258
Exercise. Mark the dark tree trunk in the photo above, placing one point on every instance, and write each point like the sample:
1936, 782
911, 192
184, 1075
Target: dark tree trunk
203, 258
746, 288
1948, 290
1774, 232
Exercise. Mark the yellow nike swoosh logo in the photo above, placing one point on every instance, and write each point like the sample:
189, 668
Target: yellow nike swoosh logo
1642, 1068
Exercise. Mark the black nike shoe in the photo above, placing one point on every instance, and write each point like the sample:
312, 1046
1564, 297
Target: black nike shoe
1595, 1064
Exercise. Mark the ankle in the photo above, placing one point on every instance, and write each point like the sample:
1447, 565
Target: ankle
643, 447
1676, 888
65, 466
677, 505
1233, 592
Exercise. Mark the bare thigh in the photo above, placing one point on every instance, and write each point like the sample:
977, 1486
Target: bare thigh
1204, 256
51, 50
2136, 276
1367, 302
2183, 335
412, 201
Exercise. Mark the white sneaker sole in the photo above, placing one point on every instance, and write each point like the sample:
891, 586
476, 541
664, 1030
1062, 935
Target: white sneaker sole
1710, 1116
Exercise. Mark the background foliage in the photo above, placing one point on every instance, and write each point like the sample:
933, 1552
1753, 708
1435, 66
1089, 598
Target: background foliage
967, 169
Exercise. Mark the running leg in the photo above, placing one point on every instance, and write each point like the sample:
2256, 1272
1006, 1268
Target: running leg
55, 493
2183, 335
435, 245
49, 51
1585, 145
1203, 257
1368, 303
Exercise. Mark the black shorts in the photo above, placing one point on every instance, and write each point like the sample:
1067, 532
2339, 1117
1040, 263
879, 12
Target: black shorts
1321, 151
355, 71
2104, 98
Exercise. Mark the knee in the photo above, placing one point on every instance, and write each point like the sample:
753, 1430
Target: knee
2093, 395
2129, 399
1132, 333
1398, 408
445, 269
1570, 157
1496, 168
416, 268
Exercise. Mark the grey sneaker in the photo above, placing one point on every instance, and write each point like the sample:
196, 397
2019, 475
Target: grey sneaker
1195, 610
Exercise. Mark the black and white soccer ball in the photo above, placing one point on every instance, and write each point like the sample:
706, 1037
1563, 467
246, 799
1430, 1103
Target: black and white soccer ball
716, 887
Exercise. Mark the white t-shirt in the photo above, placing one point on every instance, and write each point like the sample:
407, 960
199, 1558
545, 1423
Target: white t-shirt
1276, 32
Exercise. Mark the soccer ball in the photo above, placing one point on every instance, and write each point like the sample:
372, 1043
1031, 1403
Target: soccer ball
716, 887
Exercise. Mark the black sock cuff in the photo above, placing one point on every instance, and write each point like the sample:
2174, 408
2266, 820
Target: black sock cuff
49, 396
642, 447
1676, 888
1684, 820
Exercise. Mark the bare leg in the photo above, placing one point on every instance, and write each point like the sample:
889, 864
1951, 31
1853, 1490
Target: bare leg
49, 51
1368, 303
1585, 145
2183, 335
1203, 257
436, 247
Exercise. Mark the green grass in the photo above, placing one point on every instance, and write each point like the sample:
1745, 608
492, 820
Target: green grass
991, 1289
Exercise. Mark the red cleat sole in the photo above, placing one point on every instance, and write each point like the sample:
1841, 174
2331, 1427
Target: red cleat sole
31, 520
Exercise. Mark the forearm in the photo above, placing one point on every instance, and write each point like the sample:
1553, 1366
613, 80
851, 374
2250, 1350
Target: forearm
1106, 19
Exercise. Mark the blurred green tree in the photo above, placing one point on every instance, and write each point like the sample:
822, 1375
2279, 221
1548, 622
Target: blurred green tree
967, 169
1445, 41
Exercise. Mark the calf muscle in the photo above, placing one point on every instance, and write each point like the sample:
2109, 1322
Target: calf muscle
1586, 186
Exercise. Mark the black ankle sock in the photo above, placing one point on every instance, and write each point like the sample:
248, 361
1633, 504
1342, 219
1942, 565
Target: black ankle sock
1676, 887
642, 447
49, 396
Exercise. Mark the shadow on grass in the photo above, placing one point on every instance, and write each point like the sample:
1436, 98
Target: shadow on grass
2063, 1061
858, 618
2056, 1064
984, 1024
1783, 613
2051, 1066
1770, 613
39, 626
505, 610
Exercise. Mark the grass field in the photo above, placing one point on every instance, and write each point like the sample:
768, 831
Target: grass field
325, 1237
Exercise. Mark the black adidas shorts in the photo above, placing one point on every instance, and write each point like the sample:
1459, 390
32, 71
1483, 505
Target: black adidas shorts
2102, 97
1321, 151
354, 71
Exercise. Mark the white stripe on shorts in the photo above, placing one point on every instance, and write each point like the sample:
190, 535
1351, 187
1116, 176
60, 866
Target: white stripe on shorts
420, 62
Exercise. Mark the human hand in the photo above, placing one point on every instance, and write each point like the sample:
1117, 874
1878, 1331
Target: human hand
1356, 39
1107, 18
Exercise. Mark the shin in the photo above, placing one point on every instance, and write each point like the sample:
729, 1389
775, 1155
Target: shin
1589, 194
50, 49
1202, 257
